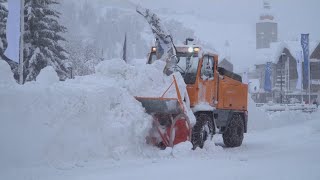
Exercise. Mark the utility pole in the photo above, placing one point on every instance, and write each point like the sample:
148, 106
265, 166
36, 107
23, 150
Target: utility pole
301, 85
281, 81
309, 81
288, 61
21, 42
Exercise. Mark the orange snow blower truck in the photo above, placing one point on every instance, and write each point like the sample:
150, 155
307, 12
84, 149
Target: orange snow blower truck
217, 98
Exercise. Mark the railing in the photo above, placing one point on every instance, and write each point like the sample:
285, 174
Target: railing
287, 107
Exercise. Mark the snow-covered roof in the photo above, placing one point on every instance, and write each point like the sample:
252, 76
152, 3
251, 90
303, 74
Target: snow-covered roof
274, 52
315, 55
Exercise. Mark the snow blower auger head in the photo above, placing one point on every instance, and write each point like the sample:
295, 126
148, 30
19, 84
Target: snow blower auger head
171, 124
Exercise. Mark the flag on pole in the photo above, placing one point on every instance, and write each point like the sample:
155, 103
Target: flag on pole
305, 48
299, 69
124, 51
267, 77
13, 30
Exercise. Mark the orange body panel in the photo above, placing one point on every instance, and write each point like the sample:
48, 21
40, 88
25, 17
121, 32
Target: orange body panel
232, 95
229, 93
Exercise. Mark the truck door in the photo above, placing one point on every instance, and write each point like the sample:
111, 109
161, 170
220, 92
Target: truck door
207, 81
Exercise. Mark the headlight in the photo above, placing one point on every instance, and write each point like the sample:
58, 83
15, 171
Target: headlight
190, 49
196, 49
154, 49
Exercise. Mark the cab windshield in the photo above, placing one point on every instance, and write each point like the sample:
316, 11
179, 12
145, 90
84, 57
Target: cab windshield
187, 65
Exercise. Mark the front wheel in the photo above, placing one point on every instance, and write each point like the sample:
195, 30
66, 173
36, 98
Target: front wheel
203, 129
233, 135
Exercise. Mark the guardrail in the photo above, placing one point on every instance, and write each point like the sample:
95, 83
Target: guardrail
287, 107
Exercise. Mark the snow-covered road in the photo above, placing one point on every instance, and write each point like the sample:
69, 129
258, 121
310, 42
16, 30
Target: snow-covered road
290, 152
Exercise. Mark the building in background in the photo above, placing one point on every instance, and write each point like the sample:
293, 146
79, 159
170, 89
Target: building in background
266, 28
315, 69
283, 56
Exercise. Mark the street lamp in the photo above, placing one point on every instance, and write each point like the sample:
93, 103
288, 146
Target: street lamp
281, 73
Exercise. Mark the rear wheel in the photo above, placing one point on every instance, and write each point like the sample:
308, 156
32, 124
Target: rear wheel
233, 135
202, 130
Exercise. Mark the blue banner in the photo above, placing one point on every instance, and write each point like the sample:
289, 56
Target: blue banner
267, 77
305, 48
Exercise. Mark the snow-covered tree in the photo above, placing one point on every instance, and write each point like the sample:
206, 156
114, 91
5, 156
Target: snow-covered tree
3, 21
84, 56
99, 27
43, 40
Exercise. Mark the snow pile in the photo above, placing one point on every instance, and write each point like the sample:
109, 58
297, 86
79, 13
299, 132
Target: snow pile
6, 75
257, 119
285, 118
142, 80
90, 117
315, 124
47, 76
184, 150
87, 118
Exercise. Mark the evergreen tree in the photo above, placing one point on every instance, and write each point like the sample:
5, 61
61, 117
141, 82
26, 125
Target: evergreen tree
43, 40
3, 21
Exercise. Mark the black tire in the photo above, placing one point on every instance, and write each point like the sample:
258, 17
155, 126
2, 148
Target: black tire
203, 129
233, 135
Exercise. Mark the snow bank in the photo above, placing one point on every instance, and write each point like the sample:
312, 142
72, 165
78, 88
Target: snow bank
315, 124
142, 80
89, 117
259, 120
47, 76
6, 75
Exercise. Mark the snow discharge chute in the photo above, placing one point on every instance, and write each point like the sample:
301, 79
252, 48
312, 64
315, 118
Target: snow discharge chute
164, 44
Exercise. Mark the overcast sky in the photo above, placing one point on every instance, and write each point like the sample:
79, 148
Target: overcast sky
234, 20
293, 16
218, 21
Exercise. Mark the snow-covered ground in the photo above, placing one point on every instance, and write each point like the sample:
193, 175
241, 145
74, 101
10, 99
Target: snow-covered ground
93, 128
